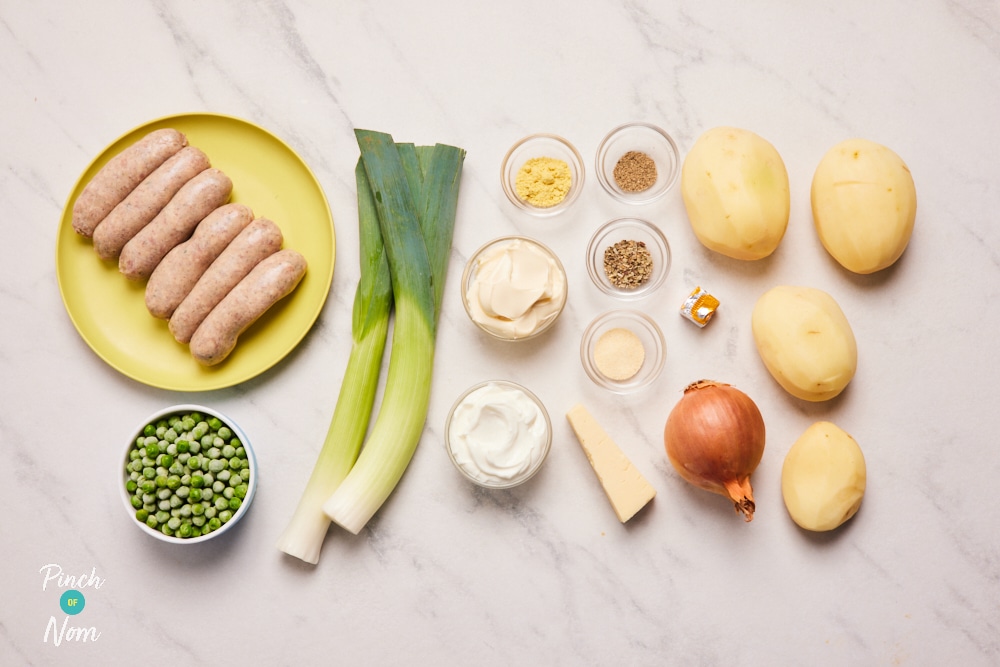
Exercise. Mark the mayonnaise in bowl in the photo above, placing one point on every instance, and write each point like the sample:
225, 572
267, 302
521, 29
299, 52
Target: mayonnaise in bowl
514, 288
498, 434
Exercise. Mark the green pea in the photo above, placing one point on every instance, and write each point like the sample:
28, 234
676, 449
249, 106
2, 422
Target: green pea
197, 481
214, 523
151, 521
186, 529
194, 495
197, 509
141, 515
234, 503
152, 449
207, 494
240, 491
199, 520
221, 503
218, 487
167, 530
149, 430
161, 481
183, 446
225, 433
225, 516
136, 502
149, 473
131, 486
214, 423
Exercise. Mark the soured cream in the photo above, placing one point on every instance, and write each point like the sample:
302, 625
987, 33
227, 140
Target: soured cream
498, 434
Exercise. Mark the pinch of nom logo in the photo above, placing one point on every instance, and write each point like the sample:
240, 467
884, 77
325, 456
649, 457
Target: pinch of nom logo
71, 603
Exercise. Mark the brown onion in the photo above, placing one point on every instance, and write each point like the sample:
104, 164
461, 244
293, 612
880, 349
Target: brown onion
714, 438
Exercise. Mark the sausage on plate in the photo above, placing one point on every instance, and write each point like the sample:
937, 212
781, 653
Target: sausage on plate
181, 268
258, 240
174, 224
116, 179
270, 281
146, 201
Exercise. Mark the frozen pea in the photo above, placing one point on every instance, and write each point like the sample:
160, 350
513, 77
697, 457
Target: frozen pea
207, 494
218, 487
182, 445
228, 493
161, 481
245, 474
207, 440
197, 509
186, 529
172, 449
164, 493
225, 516
131, 486
151, 521
234, 503
228, 451
183, 458
225, 433
240, 491
194, 463
194, 495
185, 510
141, 515
214, 452
199, 520
149, 430
185, 480
170, 435
174, 523
136, 502
167, 530
235, 481
149, 473
214, 423
177, 468
214, 523
221, 503
176, 502
223, 476
217, 465
210, 511
236, 463
161, 429
197, 481
163, 505
183, 491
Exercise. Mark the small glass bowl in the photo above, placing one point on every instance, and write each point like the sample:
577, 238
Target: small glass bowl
628, 229
469, 471
469, 277
645, 138
536, 146
165, 413
648, 333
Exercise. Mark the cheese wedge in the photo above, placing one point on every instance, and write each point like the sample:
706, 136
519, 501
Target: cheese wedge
624, 485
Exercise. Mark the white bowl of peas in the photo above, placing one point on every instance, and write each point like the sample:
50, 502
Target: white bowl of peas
188, 475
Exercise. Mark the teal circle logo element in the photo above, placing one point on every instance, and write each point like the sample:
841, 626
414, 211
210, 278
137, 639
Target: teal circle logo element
72, 602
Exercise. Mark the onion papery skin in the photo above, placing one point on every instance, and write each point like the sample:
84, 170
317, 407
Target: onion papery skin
714, 438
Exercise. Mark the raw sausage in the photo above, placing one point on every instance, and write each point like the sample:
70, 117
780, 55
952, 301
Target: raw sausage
178, 272
258, 240
146, 201
270, 281
121, 175
173, 225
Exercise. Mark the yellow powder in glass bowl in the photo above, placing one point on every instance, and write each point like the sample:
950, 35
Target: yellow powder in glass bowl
618, 354
543, 181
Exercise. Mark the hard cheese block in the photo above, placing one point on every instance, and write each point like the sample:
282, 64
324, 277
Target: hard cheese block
625, 486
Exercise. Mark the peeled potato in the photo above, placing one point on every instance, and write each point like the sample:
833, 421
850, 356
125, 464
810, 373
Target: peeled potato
864, 203
805, 341
735, 189
823, 477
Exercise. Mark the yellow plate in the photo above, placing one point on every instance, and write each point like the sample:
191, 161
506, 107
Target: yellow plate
110, 312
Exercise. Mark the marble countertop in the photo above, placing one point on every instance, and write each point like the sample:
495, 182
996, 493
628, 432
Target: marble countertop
447, 573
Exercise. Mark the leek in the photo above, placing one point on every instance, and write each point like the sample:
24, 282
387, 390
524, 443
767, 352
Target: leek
304, 535
416, 197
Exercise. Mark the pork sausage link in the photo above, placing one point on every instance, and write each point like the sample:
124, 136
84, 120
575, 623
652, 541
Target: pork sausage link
174, 224
121, 175
258, 240
146, 201
271, 280
178, 272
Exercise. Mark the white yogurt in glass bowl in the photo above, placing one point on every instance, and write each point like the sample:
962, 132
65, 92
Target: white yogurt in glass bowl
498, 434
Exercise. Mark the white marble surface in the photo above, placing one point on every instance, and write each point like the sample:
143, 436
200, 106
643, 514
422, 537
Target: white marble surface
544, 574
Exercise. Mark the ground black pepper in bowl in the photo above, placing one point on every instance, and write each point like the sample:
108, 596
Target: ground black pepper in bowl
635, 172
